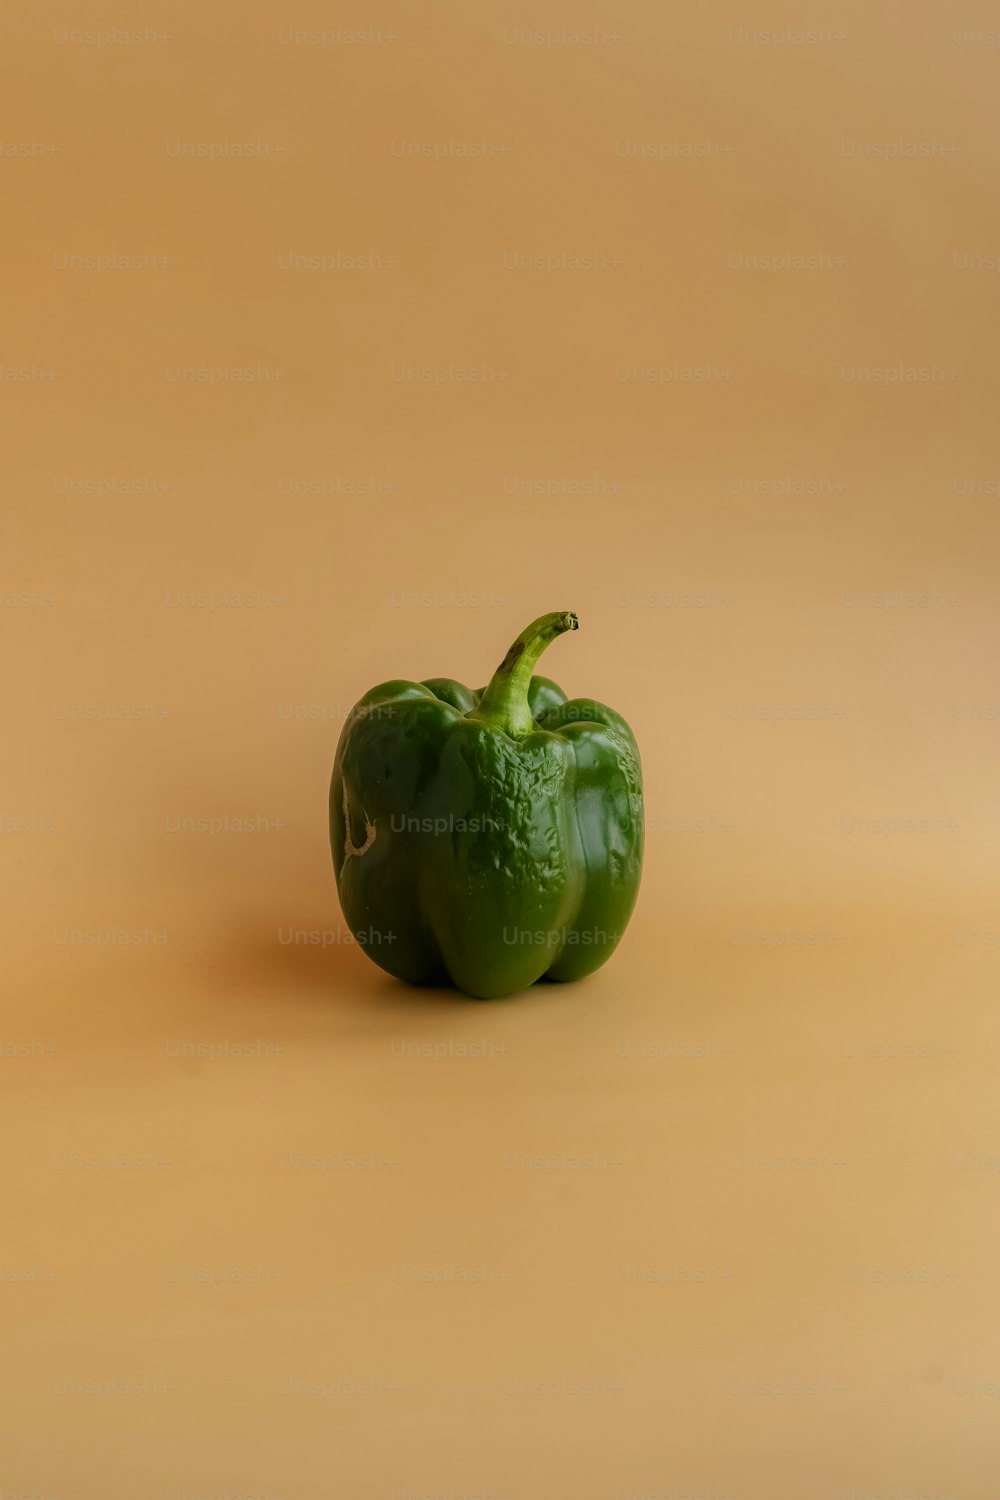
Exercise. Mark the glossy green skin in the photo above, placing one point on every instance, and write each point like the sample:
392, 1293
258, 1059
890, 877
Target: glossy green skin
491, 861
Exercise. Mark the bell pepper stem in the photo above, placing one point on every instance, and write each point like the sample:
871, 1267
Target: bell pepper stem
504, 704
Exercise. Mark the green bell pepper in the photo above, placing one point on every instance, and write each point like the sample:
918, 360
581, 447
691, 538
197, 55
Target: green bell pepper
488, 838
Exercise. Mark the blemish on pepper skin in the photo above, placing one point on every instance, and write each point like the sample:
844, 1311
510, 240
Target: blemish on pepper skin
512, 658
350, 848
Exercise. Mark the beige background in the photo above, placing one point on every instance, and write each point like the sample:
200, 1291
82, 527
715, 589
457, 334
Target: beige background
723, 1219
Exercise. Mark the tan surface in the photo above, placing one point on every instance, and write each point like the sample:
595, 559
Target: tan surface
623, 1326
